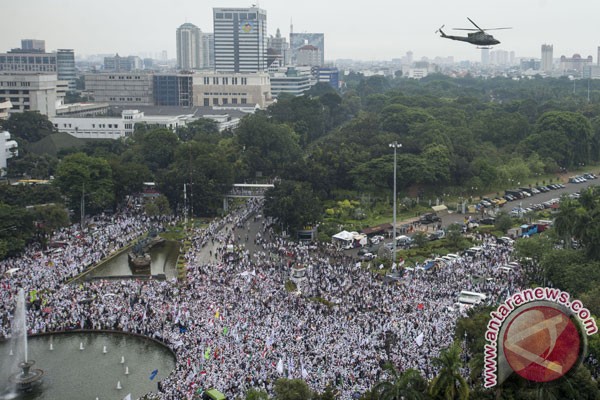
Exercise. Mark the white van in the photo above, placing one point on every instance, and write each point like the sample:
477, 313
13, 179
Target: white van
472, 298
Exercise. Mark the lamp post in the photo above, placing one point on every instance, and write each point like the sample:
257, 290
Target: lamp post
395, 145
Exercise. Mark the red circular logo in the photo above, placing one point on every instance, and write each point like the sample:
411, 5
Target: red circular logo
541, 344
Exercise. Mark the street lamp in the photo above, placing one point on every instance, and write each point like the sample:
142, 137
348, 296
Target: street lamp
395, 145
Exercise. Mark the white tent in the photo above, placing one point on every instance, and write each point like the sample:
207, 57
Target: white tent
346, 239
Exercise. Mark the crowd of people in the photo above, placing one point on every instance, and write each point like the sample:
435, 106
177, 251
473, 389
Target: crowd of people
232, 323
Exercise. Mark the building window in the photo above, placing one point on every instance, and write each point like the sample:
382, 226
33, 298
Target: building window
233, 101
244, 81
244, 101
215, 101
225, 81
225, 100
206, 80
215, 81
206, 102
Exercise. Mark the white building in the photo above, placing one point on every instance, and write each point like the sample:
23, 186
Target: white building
291, 80
32, 92
222, 88
8, 149
115, 128
5, 106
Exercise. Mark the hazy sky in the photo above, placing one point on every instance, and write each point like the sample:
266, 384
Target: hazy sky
368, 30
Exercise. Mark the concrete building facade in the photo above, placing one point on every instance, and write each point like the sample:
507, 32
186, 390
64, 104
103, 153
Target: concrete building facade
122, 64
294, 80
309, 55
33, 44
240, 39
298, 40
115, 127
18, 60
120, 88
221, 88
32, 92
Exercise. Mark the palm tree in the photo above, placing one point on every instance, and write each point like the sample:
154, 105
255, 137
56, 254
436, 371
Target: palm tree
408, 385
566, 220
449, 384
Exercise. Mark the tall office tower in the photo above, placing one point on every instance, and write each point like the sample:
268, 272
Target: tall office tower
189, 54
33, 44
547, 61
240, 39
208, 54
65, 67
298, 40
598, 57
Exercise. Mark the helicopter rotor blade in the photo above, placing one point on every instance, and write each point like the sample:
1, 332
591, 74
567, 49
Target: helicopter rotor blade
440, 28
476, 26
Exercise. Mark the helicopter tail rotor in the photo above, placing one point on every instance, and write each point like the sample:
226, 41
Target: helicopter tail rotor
440, 30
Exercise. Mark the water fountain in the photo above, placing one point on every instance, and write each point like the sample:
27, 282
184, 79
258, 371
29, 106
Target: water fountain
24, 380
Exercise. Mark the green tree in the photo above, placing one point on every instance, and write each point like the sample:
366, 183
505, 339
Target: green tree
576, 127
454, 235
28, 126
266, 147
79, 175
449, 384
16, 228
292, 389
156, 147
158, 206
48, 218
293, 205
408, 384
503, 222
255, 394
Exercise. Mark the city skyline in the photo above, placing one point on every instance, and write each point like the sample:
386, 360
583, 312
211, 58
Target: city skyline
378, 30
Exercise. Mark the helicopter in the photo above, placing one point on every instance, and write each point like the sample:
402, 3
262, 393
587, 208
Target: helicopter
479, 37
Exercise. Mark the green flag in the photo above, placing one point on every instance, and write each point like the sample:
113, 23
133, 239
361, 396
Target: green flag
225, 331
207, 353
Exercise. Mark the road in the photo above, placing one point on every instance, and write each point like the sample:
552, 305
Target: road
527, 202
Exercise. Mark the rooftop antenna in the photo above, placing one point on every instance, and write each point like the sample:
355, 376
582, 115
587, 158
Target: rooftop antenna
291, 26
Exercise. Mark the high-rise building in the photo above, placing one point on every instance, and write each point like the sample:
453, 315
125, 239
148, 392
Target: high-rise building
208, 54
189, 42
240, 43
485, 56
65, 67
298, 40
33, 45
18, 60
547, 60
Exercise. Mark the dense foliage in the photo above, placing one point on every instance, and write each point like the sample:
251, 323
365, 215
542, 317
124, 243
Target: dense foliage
460, 136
